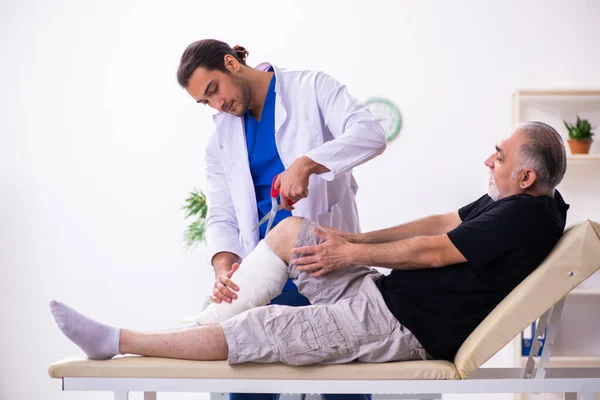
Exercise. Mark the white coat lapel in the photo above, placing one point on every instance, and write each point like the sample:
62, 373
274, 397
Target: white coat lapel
232, 142
280, 112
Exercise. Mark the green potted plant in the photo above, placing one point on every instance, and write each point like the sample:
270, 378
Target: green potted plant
195, 209
580, 136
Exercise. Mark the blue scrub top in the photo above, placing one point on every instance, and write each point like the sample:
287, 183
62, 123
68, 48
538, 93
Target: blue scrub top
264, 160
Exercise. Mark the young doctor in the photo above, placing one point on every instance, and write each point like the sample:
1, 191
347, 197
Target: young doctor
301, 126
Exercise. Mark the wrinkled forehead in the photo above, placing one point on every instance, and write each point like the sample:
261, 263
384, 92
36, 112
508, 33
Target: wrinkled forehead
511, 143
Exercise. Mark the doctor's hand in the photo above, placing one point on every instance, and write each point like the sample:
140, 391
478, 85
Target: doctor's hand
224, 286
293, 182
334, 253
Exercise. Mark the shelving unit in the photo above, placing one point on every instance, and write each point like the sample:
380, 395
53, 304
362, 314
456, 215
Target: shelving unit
567, 362
586, 291
581, 184
578, 339
583, 158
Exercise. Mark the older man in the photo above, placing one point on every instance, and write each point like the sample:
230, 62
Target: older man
448, 272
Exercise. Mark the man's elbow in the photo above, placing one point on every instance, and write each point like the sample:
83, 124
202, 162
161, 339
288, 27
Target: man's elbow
436, 260
378, 144
375, 134
381, 139
382, 146
428, 256
436, 255
445, 254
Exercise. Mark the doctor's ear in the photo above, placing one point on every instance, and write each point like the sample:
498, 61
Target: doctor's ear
527, 178
231, 63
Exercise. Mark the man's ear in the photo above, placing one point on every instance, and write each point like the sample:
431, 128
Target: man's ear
527, 178
231, 63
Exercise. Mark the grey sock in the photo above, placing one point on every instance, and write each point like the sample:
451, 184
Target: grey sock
100, 342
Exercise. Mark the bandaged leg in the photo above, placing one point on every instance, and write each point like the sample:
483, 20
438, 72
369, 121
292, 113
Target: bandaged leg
260, 277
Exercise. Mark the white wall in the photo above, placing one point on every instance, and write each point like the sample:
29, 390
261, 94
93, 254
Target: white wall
99, 146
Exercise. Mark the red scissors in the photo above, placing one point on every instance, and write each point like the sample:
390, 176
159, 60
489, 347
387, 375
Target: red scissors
270, 216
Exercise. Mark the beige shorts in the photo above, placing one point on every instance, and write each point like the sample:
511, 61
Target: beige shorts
348, 320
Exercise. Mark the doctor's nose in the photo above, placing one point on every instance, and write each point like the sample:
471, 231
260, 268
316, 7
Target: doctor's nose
489, 162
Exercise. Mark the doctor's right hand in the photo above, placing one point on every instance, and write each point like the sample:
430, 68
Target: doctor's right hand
224, 287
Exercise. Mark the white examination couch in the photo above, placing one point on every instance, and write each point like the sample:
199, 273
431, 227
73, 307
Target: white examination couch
541, 295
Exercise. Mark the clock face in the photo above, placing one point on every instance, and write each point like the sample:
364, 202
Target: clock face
387, 114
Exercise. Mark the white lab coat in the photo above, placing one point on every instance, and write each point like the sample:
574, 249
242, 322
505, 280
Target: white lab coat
314, 117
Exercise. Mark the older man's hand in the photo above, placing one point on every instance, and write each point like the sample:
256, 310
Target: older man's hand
334, 253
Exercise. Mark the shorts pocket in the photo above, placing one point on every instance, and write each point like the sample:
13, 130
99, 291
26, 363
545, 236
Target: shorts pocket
309, 335
299, 339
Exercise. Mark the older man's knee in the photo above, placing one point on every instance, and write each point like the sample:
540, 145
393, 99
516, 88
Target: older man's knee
282, 238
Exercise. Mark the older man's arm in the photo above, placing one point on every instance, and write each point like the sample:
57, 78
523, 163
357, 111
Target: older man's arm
415, 253
428, 226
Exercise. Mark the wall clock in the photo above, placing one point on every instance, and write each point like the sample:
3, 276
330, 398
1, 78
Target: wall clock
387, 114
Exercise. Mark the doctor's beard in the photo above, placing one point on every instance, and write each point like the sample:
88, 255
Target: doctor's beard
493, 191
244, 94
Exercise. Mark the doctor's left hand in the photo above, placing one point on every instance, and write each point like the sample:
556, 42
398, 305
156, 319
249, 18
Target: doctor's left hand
334, 253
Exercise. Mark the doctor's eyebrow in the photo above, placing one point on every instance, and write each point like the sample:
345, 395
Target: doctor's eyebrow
210, 84
499, 149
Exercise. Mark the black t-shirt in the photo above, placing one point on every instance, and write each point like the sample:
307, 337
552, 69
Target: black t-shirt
503, 242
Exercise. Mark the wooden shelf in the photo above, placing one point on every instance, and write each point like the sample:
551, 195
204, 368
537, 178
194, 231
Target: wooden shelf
564, 361
583, 158
557, 92
585, 292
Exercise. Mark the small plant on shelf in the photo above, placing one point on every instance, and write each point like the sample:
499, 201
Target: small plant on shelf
580, 136
196, 209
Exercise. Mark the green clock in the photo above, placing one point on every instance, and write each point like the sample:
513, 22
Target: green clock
387, 114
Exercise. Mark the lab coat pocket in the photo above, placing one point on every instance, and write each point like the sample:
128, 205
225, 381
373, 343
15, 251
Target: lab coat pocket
331, 218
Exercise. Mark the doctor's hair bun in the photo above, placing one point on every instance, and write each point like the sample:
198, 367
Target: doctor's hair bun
241, 53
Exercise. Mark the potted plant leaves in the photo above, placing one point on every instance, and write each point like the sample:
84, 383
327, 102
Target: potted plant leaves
195, 209
580, 136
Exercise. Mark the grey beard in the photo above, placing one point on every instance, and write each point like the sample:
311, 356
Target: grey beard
493, 191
